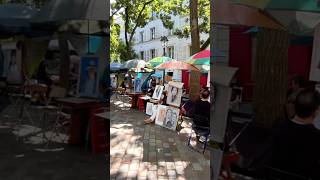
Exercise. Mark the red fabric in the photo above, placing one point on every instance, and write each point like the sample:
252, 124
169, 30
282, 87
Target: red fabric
185, 79
240, 46
99, 135
299, 60
203, 80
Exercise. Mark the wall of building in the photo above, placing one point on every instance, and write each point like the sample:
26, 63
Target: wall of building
181, 45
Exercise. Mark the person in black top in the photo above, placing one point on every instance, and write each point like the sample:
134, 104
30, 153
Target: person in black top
296, 146
202, 107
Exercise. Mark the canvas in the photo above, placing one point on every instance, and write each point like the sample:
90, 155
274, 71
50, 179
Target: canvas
149, 108
161, 115
174, 95
157, 92
172, 116
137, 85
88, 80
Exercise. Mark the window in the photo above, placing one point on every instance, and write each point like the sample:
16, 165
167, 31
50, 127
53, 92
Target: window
171, 52
141, 54
153, 53
141, 36
170, 32
153, 15
153, 33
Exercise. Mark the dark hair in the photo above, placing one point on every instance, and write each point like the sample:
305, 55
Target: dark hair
298, 80
73, 52
49, 55
205, 94
307, 102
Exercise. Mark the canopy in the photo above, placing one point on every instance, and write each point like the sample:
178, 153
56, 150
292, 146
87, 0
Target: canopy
227, 13
298, 16
115, 66
295, 5
62, 10
14, 18
174, 64
158, 60
201, 60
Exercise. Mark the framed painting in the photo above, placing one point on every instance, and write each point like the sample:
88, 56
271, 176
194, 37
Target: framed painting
88, 79
149, 108
171, 118
161, 115
174, 94
157, 92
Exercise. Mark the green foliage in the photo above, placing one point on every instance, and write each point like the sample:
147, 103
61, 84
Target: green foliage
124, 54
114, 41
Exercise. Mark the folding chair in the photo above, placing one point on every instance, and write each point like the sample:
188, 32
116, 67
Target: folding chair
200, 129
60, 122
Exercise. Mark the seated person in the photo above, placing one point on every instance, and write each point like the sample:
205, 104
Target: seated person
202, 107
155, 108
296, 147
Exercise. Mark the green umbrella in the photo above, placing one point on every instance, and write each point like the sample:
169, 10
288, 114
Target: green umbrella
201, 60
159, 60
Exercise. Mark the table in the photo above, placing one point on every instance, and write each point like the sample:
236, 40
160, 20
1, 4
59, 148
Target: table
100, 131
134, 97
81, 110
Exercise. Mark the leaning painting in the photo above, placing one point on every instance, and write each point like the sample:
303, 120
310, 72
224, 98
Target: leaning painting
172, 116
161, 115
174, 94
157, 92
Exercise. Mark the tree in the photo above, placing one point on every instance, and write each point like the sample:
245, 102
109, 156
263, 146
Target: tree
134, 13
198, 13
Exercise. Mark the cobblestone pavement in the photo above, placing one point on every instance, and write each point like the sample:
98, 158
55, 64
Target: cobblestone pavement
140, 151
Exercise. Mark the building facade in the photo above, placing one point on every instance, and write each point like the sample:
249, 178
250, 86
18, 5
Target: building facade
148, 45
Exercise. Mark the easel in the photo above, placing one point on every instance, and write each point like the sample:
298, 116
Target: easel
178, 125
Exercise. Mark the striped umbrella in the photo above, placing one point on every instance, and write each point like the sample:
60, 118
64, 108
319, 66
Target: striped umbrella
300, 17
158, 60
180, 65
201, 60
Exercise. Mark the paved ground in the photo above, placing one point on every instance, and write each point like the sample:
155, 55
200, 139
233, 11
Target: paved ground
19, 160
139, 151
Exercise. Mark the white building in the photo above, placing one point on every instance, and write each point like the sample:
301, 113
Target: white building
148, 44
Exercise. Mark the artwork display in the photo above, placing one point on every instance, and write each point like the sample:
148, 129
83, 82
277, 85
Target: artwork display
315, 61
88, 79
172, 116
161, 115
149, 108
137, 85
174, 93
157, 92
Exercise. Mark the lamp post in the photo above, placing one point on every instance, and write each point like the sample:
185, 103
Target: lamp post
164, 41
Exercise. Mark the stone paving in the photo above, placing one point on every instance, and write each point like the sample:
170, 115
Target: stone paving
139, 151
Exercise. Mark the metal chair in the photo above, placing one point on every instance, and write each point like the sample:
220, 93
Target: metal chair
201, 127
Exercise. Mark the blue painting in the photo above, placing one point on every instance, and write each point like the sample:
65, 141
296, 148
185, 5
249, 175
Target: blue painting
88, 80
137, 85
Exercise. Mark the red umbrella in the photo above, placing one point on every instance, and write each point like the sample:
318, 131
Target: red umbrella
181, 65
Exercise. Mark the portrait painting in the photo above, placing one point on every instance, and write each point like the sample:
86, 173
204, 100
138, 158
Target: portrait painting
172, 116
157, 92
174, 94
149, 108
161, 115
137, 85
88, 80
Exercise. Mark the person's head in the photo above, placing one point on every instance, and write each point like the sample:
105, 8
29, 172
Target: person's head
174, 91
307, 104
205, 94
73, 53
297, 82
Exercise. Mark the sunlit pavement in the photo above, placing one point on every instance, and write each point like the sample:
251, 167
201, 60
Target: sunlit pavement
140, 151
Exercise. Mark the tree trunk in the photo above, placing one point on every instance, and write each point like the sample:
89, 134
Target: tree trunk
64, 61
270, 75
194, 26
